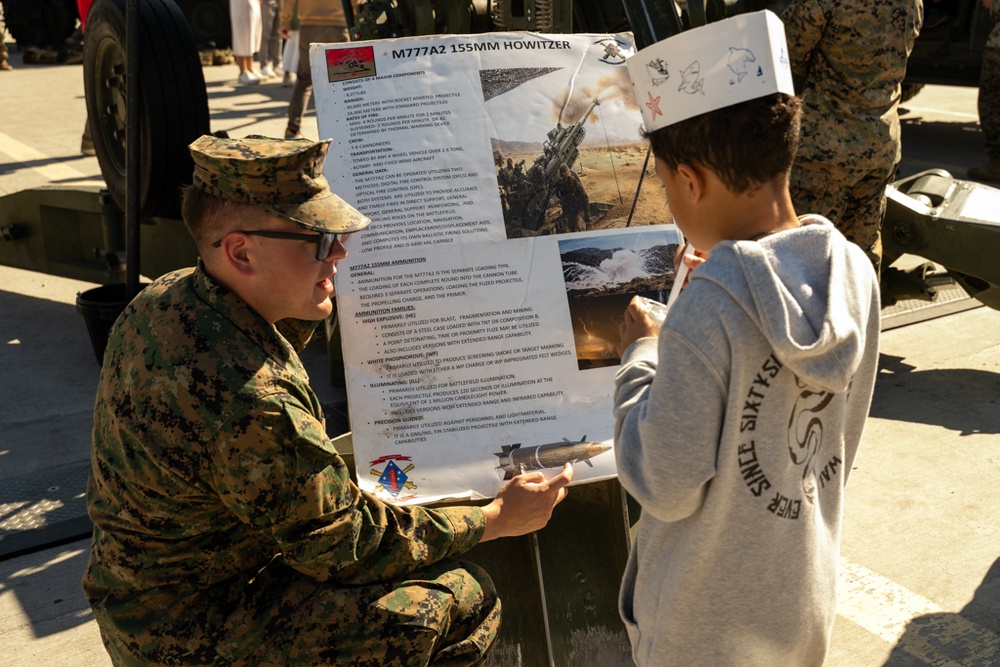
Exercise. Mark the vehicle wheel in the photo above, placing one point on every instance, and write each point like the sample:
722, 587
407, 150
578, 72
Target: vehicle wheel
209, 21
172, 95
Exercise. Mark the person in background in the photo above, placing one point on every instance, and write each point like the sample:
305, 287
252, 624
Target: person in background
4, 64
247, 29
290, 52
269, 56
320, 21
849, 59
989, 101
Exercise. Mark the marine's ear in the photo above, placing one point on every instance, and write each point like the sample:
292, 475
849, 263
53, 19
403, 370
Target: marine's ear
234, 252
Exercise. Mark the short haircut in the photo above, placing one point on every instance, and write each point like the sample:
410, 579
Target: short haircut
745, 145
209, 218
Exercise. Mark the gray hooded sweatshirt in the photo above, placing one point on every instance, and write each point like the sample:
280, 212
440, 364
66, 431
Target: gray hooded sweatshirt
739, 448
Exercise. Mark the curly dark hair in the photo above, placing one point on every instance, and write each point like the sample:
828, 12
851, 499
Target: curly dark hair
746, 144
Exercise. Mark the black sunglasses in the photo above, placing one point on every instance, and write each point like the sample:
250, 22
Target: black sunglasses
324, 240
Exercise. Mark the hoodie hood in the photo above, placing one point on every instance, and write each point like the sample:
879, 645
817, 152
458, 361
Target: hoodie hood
807, 305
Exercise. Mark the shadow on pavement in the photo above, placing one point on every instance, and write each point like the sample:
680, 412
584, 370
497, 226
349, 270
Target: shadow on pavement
958, 399
49, 594
970, 637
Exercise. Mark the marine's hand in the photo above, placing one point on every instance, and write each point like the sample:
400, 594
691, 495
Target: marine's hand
283, 32
639, 323
525, 503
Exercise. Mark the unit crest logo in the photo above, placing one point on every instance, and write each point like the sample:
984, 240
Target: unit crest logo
392, 479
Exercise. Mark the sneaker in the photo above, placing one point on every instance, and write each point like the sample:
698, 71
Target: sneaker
34, 55
268, 72
292, 135
288, 80
248, 78
989, 172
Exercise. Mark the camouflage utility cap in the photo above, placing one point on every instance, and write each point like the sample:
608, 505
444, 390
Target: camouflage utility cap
284, 177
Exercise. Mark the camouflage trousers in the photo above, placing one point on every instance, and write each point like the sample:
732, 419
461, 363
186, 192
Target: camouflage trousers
446, 614
989, 102
853, 202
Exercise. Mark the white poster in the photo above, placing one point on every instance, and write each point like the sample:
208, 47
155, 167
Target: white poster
515, 213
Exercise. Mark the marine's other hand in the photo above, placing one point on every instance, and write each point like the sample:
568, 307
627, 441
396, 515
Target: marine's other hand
525, 503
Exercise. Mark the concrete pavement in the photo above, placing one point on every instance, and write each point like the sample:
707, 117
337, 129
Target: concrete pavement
920, 570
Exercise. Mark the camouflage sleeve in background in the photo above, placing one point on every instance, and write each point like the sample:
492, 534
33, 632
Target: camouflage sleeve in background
993, 41
851, 94
804, 22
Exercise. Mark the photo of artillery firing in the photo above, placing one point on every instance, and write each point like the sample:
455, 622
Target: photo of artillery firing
587, 172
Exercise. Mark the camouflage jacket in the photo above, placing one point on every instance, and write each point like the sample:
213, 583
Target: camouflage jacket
993, 41
210, 456
851, 56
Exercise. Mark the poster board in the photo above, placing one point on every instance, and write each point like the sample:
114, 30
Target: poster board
515, 213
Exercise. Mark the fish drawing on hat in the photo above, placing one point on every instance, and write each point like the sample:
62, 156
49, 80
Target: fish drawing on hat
691, 81
741, 62
658, 71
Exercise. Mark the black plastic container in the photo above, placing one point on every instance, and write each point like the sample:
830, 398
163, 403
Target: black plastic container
100, 307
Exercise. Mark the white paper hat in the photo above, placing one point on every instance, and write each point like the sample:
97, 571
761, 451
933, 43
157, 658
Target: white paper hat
710, 67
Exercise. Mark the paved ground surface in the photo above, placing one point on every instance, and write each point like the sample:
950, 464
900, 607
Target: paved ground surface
920, 571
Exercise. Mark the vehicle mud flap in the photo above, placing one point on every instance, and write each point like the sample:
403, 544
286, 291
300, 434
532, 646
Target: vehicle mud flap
40, 23
172, 94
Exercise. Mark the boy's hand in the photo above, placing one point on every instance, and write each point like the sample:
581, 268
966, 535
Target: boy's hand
525, 504
693, 261
639, 323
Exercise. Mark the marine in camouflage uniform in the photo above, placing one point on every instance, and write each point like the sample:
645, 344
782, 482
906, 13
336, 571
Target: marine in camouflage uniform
851, 58
4, 64
226, 528
989, 101
574, 200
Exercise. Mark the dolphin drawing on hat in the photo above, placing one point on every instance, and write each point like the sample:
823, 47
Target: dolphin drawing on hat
741, 62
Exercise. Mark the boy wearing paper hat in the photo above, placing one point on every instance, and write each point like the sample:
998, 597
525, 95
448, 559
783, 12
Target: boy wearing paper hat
739, 450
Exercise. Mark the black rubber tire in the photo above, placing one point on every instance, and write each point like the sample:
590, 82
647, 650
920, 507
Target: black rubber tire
172, 95
209, 21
